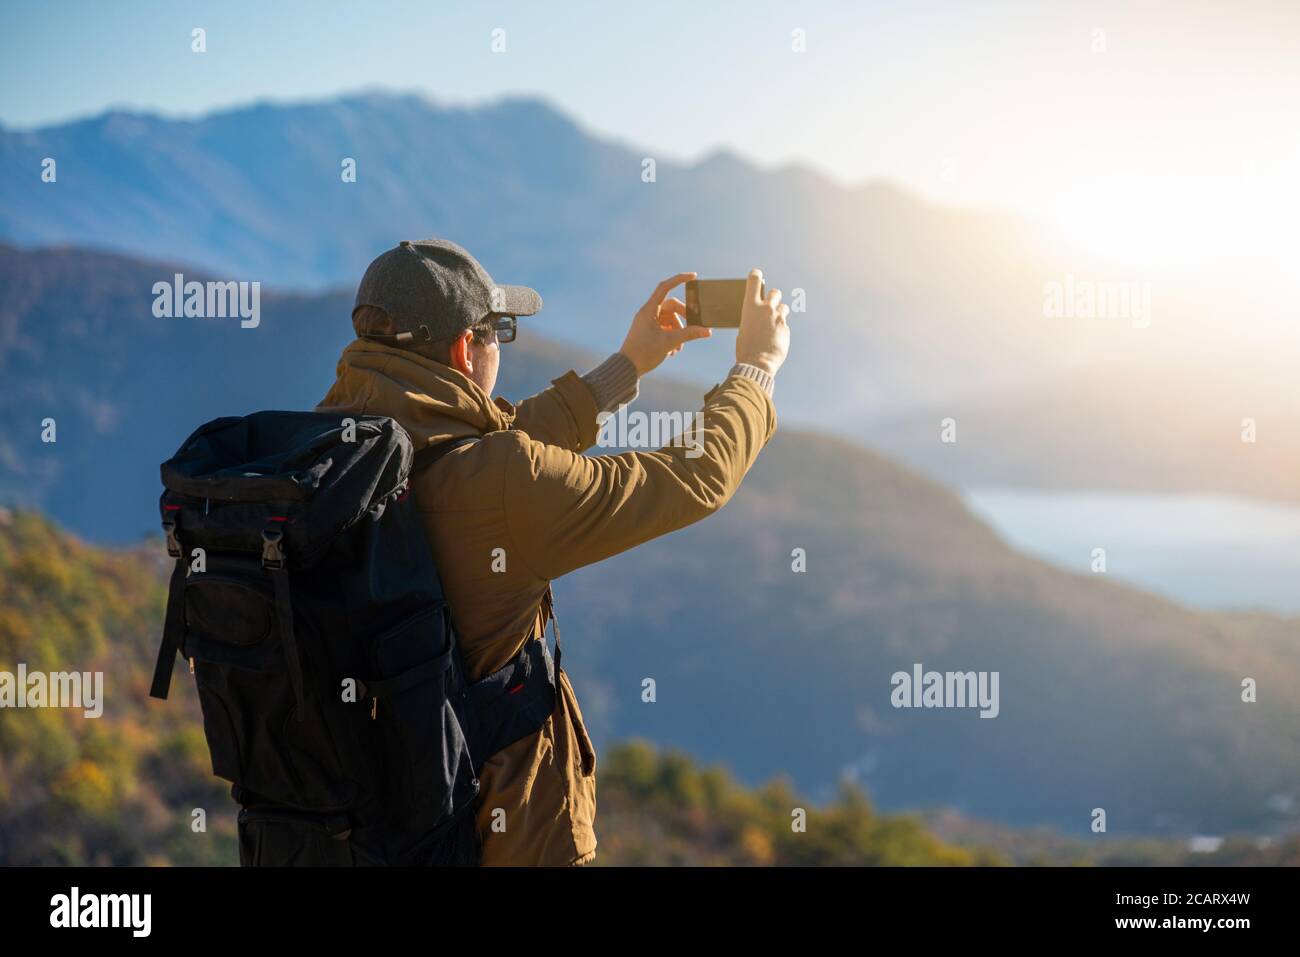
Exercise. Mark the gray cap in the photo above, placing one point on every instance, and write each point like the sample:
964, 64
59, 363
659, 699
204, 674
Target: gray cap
438, 285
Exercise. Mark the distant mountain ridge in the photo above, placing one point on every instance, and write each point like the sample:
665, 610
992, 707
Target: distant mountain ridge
256, 193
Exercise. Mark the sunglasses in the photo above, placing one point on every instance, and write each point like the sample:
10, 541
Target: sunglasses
506, 328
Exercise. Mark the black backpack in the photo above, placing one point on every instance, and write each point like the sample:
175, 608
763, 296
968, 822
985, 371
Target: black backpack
306, 600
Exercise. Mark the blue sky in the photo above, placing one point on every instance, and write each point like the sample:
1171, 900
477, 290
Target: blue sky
997, 104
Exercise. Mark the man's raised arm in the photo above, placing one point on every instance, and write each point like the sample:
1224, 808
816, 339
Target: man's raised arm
565, 413
565, 510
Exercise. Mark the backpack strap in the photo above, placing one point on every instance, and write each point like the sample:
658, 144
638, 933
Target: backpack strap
275, 563
431, 453
174, 621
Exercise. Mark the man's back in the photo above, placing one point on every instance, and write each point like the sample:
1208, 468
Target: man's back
521, 506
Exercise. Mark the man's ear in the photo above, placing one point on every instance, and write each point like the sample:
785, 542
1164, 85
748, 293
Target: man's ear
460, 354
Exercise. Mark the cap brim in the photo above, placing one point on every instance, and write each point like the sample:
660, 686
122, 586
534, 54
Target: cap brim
519, 301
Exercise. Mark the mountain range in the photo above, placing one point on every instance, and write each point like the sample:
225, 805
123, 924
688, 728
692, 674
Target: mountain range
907, 312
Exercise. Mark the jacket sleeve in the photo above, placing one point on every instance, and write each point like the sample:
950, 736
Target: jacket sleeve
563, 415
565, 510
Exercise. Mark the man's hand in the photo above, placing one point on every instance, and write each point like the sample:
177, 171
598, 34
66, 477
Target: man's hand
657, 329
764, 337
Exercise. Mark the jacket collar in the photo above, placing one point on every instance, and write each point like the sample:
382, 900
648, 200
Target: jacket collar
432, 401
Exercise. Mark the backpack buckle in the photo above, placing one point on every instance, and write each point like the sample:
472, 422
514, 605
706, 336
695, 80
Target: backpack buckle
272, 549
173, 543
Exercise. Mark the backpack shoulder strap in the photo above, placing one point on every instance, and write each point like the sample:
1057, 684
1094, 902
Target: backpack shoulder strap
430, 454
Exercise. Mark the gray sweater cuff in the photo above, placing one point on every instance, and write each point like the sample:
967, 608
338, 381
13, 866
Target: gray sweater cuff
614, 382
764, 379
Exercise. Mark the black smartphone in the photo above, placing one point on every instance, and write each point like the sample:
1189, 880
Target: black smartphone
716, 303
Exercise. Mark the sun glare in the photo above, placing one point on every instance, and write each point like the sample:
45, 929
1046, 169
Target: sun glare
1235, 230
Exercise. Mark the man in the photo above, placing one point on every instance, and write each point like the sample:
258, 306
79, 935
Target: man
508, 513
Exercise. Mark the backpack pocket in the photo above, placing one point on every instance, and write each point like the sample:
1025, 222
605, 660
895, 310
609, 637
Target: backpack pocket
420, 711
277, 838
230, 621
250, 715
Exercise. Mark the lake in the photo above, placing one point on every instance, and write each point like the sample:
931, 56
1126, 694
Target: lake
1206, 551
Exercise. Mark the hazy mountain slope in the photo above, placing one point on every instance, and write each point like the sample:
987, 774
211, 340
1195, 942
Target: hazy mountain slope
80, 344
1120, 425
1109, 697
